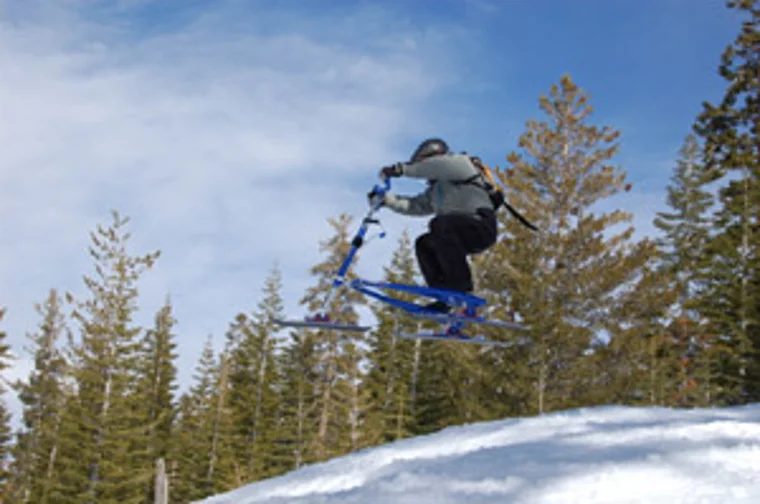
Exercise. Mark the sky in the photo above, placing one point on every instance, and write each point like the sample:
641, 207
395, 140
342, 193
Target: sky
608, 455
229, 132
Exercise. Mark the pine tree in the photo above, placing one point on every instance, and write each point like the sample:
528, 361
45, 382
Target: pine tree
570, 273
192, 428
253, 397
183, 467
640, 365
393, 363
700, 356
505, 380
686, 257
353, 400
731, 300
103, 445
731, 134
5, 416
297, 412
220, 460
157, 387
730, 128
685, 229
333, 369
205, 460
448, 385
43, 398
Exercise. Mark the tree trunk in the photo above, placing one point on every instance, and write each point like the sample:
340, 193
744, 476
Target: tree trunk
162, 483
324, 417
415, 374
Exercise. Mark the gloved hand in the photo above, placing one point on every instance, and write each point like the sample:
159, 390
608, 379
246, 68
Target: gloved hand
394, 170
375, 199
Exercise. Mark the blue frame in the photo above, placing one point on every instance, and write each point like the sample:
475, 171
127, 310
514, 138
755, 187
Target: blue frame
373, 289
452, 298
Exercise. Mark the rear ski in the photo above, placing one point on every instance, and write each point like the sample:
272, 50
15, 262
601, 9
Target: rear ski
459, 338
459, 319
321, 323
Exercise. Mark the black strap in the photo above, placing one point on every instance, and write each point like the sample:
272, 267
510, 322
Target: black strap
517, 215
468, 180
502, 201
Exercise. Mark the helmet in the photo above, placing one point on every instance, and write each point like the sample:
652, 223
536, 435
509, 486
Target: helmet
430, 147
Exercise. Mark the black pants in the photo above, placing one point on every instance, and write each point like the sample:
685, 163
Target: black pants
442, 252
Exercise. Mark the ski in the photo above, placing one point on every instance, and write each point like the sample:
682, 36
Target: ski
453, 318
458, 338
321, 324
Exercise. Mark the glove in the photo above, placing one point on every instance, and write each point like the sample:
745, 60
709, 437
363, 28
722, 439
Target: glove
394, 170
375, 199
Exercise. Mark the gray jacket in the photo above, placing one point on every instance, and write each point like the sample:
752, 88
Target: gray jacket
442, 196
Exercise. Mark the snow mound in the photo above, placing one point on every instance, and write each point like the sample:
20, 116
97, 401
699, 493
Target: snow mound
595, 455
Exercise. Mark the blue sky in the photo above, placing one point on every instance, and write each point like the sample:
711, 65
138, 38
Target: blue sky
231, 131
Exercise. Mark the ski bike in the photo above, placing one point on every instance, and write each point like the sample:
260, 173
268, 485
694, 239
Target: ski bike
465, 311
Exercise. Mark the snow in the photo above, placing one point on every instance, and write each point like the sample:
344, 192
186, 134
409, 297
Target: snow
594, 455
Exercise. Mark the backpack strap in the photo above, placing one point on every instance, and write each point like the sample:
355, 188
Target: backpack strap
493, 190
468, 180
482, 173
488, 184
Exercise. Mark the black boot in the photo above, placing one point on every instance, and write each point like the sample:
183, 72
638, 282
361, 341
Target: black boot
438, 306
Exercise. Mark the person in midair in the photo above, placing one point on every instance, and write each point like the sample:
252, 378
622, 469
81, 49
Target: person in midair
464, 221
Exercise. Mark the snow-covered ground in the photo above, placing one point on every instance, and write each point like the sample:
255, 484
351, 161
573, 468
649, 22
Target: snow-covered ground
596, 455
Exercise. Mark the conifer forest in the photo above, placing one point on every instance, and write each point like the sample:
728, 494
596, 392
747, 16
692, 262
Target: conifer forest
671, 321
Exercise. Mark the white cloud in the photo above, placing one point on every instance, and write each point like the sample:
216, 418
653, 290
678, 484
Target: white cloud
228, 141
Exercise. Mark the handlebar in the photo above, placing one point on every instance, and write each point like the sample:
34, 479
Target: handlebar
380, 190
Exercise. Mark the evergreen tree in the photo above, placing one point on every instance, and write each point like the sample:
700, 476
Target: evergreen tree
103, 448
732, 145
297, 413
731, 303
42, 398
205, 460
220, 461
393, 363
730, 128
333, 368
184, 464
506, 381
448, 381
158, 385
353, 400
253, 396
5, 416
569, 275
640, 365
686, 258
685, 229
193, 414
699, 365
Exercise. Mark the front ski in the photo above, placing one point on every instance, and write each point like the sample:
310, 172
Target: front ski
320, 323
458, 338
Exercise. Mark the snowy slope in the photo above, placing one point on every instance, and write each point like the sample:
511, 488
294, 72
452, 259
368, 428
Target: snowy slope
598, 455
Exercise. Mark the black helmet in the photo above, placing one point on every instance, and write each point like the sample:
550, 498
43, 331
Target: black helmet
430, 147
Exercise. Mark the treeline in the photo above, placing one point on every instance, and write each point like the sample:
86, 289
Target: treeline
613, 320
